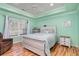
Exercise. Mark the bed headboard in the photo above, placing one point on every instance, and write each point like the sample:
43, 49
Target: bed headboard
48, 29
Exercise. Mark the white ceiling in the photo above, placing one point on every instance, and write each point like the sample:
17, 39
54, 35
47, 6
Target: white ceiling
36, 8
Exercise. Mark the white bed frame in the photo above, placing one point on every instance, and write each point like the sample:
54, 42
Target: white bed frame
33, 46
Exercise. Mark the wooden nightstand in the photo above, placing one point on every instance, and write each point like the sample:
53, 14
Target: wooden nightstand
65, 40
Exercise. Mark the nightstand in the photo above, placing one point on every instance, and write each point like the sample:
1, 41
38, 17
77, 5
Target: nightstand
65, 40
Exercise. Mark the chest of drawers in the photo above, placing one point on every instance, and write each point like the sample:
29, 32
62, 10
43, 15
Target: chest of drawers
65, 40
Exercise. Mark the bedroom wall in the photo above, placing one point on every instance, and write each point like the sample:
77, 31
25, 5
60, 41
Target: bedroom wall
58, 21
78, 22
13, 12
1, 23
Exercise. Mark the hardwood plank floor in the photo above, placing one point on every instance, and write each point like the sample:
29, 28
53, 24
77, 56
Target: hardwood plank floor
57, 50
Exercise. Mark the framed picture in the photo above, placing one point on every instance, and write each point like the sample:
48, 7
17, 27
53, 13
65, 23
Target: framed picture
67, 23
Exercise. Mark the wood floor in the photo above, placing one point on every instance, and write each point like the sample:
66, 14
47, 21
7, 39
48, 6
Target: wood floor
57, 50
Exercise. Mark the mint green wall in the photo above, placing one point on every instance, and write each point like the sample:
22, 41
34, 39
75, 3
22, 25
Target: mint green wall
58, 20
78, 19
1, 23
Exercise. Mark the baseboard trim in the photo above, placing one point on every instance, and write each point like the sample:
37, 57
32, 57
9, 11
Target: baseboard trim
16, 42
72, 45
75, 46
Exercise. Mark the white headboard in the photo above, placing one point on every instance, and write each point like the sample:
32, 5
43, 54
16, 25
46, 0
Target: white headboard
48, 29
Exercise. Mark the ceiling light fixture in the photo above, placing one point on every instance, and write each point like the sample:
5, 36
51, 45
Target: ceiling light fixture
51, 4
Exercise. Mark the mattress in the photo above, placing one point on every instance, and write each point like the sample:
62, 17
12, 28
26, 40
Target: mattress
42, 41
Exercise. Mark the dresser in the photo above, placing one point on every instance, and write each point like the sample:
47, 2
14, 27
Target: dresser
65, 41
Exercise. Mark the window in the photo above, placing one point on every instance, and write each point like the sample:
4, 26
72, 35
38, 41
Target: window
17, 26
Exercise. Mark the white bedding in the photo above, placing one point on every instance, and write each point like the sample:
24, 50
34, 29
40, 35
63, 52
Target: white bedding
48, 40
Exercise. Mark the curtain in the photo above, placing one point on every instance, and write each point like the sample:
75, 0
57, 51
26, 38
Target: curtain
29, 27
6, 31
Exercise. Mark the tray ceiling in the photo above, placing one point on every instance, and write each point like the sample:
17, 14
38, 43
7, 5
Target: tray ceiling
36, 8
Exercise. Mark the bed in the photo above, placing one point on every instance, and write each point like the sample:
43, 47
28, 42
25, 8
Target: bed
40, 43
